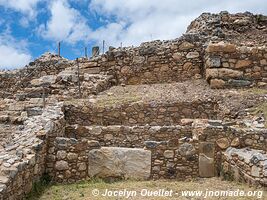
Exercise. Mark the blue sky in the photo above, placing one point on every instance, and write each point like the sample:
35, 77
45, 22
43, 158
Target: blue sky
28, 28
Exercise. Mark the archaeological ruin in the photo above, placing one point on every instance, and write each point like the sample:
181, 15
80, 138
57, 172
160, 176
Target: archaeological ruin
191, 107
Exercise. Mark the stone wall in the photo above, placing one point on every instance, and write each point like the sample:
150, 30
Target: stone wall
47, 64
228, 65
152, 62
23, 161
128, 136
214, 137
152, 113
226, 136
68, 159
174, 159
202, 140
172, 156
245, 165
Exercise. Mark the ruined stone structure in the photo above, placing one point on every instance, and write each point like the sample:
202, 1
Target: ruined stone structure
179, 109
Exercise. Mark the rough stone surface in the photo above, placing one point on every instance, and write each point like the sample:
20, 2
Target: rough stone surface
206, 166
223, 143
115, 162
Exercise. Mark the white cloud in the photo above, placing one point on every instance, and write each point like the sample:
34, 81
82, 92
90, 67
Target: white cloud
13, 53
137, 21
66, 24
26, 7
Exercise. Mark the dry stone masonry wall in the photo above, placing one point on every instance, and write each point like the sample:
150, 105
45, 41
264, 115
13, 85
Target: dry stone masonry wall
141, 113
228, 65
152, 62
23, 159
245, 165
55, 119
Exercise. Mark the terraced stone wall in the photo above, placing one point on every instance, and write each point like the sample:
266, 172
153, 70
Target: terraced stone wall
152, 62
228, 65
139, 113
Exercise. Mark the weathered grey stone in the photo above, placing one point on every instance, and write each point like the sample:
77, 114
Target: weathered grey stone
168, 154
255, 171
61, 155
139, 59
119, 162
61, 165
192, 55
44, 80
72, 156
248, 142
82, 166
151, 144
239, 83
186, 150
147, 50
214, 62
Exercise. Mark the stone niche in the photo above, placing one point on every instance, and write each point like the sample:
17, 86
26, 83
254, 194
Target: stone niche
115, 162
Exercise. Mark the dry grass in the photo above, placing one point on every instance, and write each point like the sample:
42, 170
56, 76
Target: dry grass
261, 108
113, 100
257, 91
83, 190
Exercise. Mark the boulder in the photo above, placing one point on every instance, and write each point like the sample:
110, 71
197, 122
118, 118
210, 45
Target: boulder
115, 162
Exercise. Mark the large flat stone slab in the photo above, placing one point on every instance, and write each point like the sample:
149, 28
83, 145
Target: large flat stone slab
115, 162
206, 159
206, 166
